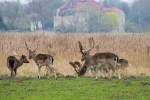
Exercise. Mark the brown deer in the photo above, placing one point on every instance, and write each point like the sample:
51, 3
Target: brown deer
100, 68
99, 62
104, 58
104, 55
13, 63
96, 69
42, 60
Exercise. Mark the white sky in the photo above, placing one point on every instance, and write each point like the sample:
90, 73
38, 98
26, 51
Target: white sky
25, 1
22, 1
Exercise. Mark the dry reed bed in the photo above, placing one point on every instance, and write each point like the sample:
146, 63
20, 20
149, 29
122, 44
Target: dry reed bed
64, 48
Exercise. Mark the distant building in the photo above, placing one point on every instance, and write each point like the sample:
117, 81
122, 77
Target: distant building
73, 13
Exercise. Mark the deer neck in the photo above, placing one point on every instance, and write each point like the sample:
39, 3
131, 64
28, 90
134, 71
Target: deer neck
88, 59
20, 62
82, 70
34, 56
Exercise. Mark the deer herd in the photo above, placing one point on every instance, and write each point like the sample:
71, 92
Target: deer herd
101, 64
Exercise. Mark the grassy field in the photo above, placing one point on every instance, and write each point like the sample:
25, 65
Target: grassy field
75, 89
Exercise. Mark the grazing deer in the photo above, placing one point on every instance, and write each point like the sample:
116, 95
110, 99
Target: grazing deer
13, 63
42, 60
79, 69
96, 69
104, 58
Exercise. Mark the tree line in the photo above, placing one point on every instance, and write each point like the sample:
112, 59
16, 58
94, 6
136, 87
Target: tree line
17, 16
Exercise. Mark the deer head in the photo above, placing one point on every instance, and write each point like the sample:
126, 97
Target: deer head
86, 53
32, 53
24, 59
79, 69
76, 65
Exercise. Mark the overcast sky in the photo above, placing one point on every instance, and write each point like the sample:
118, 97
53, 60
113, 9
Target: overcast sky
22, 1
25, 1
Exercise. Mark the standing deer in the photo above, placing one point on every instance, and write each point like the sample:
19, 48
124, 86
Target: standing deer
42, 60
104, 55
13, 63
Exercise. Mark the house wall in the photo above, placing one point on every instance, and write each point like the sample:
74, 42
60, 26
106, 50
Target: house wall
78, 21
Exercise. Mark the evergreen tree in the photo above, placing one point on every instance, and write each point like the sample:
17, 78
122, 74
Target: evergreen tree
2, 25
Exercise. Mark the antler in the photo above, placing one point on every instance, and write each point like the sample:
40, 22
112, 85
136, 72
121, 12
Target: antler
80, 46
37, 46
91, 43
26, 46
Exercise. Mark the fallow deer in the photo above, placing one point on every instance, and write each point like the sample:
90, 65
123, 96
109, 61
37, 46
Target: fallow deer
103, 55
13, 63
104, 58
96, 69
42, 60
99, 62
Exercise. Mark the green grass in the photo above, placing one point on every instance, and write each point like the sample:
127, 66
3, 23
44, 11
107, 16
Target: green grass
75, 89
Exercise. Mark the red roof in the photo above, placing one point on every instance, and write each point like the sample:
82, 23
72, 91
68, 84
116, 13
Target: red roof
75, 5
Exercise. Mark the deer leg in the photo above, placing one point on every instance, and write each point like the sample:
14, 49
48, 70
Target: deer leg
110, 74
11, 75
96, 73
39, 72
119, 75
55, 75
126, 72
103, 72
113, 72
15, 70
53, 71
99, 73
47, 71
104, 75
93, 72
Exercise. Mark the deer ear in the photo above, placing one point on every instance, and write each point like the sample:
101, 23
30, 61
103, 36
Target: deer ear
80, 47
26, 46
91, 43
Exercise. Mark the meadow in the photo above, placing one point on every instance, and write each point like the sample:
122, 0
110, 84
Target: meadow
75, 89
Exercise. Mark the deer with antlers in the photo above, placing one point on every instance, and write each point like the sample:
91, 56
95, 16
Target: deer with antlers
100, 68
97, 69
104, 55
42, 60
105, 61
13, 63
